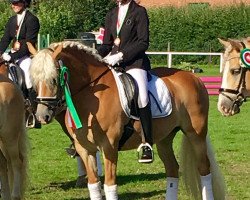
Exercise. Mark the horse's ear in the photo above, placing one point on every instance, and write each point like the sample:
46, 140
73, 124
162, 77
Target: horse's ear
236, 44
57, 51
225, 43
31, 48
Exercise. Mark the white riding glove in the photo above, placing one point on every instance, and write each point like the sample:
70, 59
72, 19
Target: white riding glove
6, 57
113, 59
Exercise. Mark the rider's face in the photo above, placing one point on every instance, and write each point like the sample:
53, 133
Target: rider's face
17, 7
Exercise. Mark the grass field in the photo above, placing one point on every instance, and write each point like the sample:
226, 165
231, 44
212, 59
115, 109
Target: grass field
53, 172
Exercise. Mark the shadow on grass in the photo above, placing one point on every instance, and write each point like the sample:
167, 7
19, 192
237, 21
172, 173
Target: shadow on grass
121, 180
131, 195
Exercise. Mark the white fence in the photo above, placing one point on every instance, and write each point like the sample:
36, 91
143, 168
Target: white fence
170, 55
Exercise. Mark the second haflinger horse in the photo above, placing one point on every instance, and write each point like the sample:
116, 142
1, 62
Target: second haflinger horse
95, 99
13, 141
235, 86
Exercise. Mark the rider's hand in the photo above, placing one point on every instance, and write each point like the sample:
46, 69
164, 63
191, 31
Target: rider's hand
6, 57
113, 59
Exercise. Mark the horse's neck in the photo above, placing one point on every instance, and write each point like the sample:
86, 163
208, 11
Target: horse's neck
84, 70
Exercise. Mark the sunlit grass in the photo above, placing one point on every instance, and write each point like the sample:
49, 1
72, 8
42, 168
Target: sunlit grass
53, 173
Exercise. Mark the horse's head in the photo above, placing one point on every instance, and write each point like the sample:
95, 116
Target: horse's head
49, 69
44, 72
235, 78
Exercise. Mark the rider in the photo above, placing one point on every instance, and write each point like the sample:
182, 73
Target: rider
21, 28
126, 38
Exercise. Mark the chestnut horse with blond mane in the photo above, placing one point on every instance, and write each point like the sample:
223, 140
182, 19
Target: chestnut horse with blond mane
96, 99
235, 86
13, 139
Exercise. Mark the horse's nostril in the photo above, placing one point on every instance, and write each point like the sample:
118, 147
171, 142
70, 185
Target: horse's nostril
47, 118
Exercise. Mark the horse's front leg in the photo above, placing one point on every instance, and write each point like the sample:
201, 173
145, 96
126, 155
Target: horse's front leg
90, 162
110, 164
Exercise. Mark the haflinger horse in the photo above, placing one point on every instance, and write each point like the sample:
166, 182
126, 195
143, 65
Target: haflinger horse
95, 96
13, 140
235, 86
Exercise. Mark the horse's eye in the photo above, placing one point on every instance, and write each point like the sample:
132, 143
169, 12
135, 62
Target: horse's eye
53, 81
235, 71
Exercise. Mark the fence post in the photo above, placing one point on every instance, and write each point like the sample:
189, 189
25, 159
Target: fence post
169, 56
43, 41
169, 60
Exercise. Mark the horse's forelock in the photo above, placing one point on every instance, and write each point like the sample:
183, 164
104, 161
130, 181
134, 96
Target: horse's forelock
43, 67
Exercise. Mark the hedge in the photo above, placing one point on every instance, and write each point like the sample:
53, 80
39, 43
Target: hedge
185, 29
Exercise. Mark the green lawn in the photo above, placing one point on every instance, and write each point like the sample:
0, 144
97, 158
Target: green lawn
53, 173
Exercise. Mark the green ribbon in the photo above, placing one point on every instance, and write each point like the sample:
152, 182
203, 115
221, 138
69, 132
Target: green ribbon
64, 77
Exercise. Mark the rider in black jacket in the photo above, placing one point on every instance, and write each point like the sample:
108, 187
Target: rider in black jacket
21, 28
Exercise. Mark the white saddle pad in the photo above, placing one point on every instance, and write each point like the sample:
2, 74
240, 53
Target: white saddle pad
161, 108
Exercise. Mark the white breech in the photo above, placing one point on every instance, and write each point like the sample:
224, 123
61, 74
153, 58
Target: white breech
141, 78
24, 64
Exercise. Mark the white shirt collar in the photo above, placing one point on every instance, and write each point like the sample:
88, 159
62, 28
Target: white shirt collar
20, 17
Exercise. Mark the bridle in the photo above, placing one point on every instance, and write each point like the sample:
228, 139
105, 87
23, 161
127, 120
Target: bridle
58, 103
240, 98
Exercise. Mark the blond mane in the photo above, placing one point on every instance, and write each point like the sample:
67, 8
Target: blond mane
79, 46
43, 66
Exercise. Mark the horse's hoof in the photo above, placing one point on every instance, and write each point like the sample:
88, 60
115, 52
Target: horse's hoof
81, 181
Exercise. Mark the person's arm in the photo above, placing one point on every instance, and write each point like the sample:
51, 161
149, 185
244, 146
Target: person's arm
33, 26
108, 39
141, 45
6, 39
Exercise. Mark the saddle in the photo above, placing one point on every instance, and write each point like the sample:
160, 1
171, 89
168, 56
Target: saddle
17, 76
159, 96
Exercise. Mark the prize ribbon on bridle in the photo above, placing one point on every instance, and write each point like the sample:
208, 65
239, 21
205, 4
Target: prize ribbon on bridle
64, 77
245, 57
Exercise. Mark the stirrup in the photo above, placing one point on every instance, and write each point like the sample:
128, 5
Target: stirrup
143, 160
32, 122
71, 151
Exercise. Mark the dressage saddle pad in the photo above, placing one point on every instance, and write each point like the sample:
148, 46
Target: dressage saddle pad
159, 95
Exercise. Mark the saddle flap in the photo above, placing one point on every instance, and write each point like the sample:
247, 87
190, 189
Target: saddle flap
17, 75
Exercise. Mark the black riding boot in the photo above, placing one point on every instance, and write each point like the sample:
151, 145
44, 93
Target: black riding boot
146, 122
32, 121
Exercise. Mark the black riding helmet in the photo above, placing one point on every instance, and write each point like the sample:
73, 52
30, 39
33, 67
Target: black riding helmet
26, 2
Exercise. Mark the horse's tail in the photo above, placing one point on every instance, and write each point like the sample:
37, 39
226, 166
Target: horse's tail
191, 176
219, 187
23, 152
